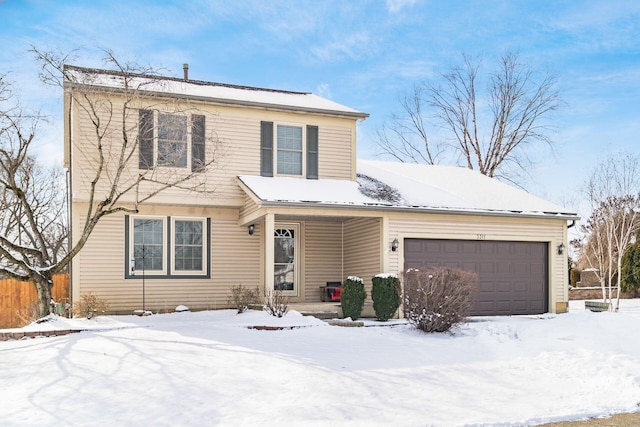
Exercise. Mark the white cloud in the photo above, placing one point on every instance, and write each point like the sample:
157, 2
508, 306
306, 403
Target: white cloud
353, 46
397, 5
323, 90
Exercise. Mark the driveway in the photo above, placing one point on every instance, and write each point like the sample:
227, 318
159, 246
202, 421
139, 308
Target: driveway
619, 420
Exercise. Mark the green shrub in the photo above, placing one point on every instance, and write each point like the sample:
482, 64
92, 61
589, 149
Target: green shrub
436, 299
386, 295
631, 268
352, 297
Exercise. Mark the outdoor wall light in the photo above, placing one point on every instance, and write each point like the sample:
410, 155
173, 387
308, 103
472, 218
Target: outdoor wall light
394, 245
561, 249
251, 228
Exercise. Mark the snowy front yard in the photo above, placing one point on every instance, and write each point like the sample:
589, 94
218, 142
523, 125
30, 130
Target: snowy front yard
208, 368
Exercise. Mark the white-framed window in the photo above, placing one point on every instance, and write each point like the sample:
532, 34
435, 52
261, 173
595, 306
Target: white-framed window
188, 246
289, 149
148, 244
171, 140
159, 246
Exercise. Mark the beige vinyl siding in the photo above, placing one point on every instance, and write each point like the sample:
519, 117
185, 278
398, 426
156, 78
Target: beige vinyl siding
472, 227
335, 155
100, 267
233, 137
362, 249
323, 257
249, 207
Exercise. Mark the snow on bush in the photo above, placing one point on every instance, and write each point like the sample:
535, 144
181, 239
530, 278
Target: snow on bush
386, 275
377, 190
436, 299
355, 279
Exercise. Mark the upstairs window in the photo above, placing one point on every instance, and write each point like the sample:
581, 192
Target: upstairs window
289, 145
295, 147
171, 140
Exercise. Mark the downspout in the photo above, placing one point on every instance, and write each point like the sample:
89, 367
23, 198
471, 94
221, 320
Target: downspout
342, 252
69, 221
573, 222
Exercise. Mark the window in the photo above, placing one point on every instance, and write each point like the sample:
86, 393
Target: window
172, 140
188, 245
149, 235
295, 147
289, 145
167, 246
166, 140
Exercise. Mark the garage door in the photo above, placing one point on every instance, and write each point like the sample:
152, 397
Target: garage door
513, 276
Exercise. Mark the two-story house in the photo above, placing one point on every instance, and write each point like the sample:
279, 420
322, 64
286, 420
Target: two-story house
281, 202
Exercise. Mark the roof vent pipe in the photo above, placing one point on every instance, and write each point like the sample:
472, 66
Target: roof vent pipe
185, 68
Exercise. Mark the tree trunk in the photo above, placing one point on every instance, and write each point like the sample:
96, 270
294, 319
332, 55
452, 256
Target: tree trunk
43, 287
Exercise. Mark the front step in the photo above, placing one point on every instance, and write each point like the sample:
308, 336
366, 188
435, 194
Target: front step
322, 315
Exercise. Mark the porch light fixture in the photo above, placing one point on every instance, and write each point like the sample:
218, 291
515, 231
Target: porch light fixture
394, 245
251, 228
561, 249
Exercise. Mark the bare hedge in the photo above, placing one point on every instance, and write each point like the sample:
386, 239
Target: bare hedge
436, 299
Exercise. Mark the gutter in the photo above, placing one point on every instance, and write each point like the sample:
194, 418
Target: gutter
418, 209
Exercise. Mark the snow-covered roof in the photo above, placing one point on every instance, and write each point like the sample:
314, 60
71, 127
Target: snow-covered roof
296, 190
450, 187
408, 187
211, 91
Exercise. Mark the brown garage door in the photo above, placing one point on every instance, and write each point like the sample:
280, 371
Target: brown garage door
512, 276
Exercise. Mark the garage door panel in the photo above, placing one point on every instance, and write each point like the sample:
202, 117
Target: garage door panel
486, 267
512, 275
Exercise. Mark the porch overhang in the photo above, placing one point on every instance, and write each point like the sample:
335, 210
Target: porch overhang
295, 198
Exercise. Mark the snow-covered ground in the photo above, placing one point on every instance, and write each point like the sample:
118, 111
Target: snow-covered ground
208, 368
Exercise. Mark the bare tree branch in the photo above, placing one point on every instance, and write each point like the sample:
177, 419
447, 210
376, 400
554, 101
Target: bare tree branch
34, 235
492, 134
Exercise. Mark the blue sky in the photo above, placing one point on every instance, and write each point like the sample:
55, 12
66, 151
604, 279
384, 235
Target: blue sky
363, 54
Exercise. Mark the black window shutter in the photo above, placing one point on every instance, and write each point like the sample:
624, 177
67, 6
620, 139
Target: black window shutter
266, 148
145, 139
197, 143
312, 152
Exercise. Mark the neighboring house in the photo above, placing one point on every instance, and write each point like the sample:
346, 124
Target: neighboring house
291, 209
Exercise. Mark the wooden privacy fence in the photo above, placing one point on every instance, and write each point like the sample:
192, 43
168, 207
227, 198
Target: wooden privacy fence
18, 299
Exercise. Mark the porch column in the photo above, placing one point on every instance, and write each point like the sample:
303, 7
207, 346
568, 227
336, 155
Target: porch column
269, 228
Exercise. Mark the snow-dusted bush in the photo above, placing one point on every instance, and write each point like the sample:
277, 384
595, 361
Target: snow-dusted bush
378, 190
352, 297
386, 295
436, 299
241, 298
89, 306
276, 303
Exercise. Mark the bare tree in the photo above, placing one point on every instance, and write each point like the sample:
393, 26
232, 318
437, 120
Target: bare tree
32, 247
613, 191
491, 133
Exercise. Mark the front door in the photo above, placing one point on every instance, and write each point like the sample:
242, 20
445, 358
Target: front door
285, 267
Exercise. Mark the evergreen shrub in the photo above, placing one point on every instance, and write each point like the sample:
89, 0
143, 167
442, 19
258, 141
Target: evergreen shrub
352, 297
386, 295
